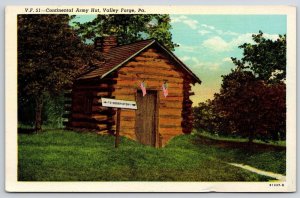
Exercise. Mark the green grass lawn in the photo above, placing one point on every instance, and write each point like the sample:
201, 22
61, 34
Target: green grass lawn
60, 155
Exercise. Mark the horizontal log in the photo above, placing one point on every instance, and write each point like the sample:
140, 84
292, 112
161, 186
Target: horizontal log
127, 112
125, 91
103, 110
159, 65
127, 124
153, 84
170, 116
171, 98
157, 73
167, 120
152, 55
152, 50
170, 131
170, 125
135, 81
103, 94
151, 70
125, 97
144, 58
191, 93
168, 111
176, 103
150, 78
128, 118
125, 129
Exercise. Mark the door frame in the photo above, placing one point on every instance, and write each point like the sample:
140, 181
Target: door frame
156, 127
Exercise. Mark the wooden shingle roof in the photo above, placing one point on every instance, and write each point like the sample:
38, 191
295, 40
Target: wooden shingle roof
118, 56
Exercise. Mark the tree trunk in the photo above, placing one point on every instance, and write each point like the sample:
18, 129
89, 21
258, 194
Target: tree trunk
38, 113
250, 138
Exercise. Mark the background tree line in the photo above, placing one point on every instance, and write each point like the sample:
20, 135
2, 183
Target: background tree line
252, 99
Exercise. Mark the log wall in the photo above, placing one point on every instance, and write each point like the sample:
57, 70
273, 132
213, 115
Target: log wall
154, 68
92, 115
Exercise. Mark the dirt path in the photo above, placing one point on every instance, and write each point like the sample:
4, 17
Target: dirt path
260, 172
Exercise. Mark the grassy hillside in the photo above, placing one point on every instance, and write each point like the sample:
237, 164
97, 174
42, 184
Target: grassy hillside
59, 155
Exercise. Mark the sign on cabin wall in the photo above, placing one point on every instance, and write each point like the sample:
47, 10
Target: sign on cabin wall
124, 104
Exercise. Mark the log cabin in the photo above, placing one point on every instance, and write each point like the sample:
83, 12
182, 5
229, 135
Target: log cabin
158, 118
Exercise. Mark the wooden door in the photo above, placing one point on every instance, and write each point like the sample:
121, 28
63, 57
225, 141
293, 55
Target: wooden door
146, 118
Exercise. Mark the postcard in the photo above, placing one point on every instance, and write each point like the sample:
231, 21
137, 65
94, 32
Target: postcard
150, 98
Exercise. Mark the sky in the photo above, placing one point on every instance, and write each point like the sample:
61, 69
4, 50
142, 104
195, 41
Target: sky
207, 43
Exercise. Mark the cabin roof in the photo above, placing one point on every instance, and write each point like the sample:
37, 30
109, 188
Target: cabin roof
120, 55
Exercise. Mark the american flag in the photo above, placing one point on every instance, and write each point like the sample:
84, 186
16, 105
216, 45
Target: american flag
143, 88
165, 89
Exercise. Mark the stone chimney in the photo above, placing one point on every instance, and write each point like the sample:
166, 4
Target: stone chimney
105, 43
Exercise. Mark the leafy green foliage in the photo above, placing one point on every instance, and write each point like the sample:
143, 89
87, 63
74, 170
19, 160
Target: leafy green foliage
206, 118
50, 56
266, 58
129, 28
68, 156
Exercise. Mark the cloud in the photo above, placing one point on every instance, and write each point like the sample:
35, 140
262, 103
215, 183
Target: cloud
195, 64
208, 26
230, 33
216, 43
193, 24
273, 37
241, 39
188, 48
227, 59
203, 32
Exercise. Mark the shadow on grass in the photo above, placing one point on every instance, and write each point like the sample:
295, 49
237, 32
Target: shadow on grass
251, 147
26, 131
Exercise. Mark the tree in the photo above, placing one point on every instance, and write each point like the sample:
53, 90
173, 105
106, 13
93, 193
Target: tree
252, 96
50, 56
256, 109
208, 119
129, 28
265, 58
